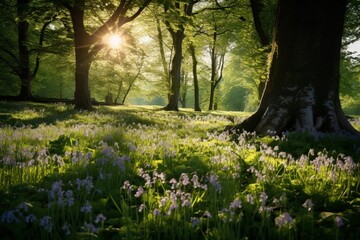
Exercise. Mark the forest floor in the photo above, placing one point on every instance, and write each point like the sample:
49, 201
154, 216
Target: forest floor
138, 172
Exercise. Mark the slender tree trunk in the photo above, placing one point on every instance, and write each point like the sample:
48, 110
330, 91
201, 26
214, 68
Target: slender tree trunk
118, 92
302, 91
195, 76
24, 65
162, 52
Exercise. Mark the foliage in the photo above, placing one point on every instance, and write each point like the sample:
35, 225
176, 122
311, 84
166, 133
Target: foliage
140, 172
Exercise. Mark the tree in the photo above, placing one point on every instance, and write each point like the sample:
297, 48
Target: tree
302, 90
87, 45
20, 60
195, 77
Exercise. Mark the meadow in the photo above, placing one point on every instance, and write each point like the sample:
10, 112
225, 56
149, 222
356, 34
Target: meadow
131, 172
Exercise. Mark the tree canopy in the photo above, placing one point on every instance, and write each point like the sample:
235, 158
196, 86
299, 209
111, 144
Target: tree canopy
223, 63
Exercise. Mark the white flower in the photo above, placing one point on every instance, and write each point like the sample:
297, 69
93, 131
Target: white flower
250, 199
308, 204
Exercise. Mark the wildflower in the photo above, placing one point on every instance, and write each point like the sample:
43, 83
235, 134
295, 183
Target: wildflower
311, 152
24, 206
89, 227
195, 221
195, 181
250, 199
127, 186
139, 192
156, 212
235, 204
339, 222
30, 218
263, 197
9, 217
214, 181
283, 219
141, 207
186, 203
66, 229
308, 204
172, 208
100, 218
173, 183
85, 183
87, 208
69, 199
163, 201
184, 179
207, 214
46, 223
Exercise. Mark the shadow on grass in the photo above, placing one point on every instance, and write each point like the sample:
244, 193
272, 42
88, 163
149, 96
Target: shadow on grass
17, 114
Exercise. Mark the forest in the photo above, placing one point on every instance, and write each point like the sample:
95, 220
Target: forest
180, 119
224, 52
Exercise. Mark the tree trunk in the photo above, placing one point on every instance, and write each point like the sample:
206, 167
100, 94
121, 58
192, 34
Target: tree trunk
175, 72
195, 76
24, 55
82, 68
302, 91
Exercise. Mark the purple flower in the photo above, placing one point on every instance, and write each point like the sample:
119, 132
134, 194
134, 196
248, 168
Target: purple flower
9, 217
100, 218
45, 222
235, 204
87, 208
89, 227
30, 218
195, 221
184, 179
156, 212
139, 192
283, 219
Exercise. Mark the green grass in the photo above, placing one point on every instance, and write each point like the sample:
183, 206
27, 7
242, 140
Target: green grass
134, 172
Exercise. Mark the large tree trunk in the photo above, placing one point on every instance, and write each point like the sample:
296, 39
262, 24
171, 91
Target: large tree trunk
302, 91
24, 54
82, 91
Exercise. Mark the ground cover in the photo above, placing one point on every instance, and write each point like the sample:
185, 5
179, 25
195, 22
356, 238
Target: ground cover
143, 173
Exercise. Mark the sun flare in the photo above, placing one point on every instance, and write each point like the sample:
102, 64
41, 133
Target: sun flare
114, 41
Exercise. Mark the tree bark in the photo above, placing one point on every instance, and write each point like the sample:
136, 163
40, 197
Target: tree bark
177, 34
195, 78
175, 73
24, 54
82, 90
302, 90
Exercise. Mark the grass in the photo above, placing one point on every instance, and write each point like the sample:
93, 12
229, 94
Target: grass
143, 173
